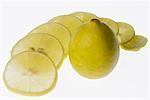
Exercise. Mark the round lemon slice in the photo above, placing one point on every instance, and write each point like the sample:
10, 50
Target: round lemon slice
135, 44
72, 23
30, 73
111, 24
126, 32
57, 30
43, 43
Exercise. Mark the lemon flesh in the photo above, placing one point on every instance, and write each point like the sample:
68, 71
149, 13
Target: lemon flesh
30, 73
94, 51
126, 32
43, 43
57, 30
84, 16
111, 24
135, 44
70, 22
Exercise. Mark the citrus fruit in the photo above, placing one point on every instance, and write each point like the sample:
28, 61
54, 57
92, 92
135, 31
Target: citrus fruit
94, 51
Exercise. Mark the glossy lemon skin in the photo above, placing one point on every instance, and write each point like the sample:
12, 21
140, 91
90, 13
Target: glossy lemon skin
94, 51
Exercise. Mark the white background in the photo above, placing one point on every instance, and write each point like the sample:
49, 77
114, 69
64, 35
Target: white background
128, 79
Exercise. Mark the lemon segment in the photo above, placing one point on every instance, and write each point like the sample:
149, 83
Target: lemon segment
30, 73
135, 44
57, 30
42, 43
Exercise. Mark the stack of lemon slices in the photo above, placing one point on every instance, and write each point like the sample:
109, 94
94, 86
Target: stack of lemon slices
35, 59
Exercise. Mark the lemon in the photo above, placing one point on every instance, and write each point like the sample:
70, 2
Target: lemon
42, 43
30, 73
135, 44
70, 22
57, 30
94, 51
126, 32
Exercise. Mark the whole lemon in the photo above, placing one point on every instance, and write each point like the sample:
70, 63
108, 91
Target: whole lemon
94, 51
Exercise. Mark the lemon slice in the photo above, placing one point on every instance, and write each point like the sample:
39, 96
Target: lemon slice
43, 43
126, 32
84, 16
70, 22
135, 44
57, 30
30, 73
111, 24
